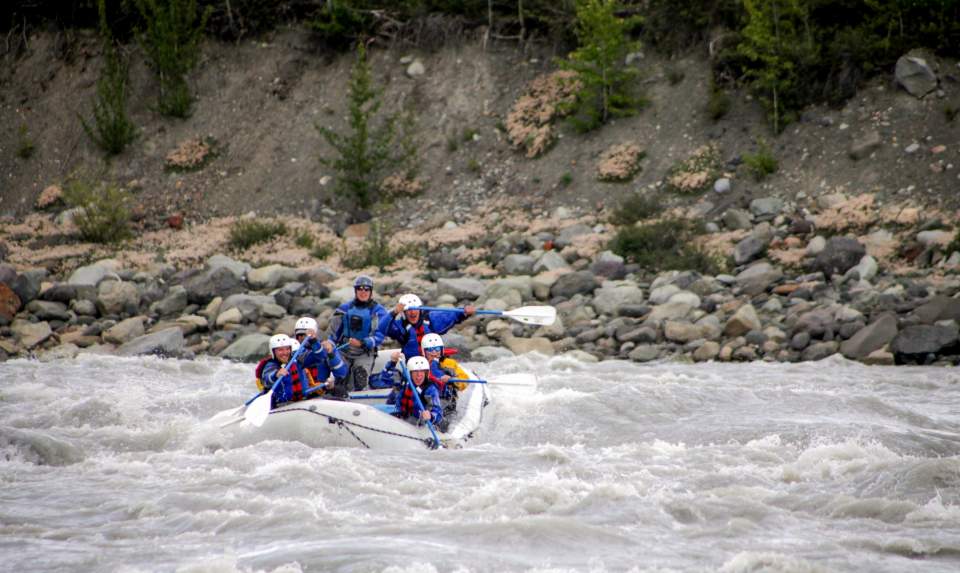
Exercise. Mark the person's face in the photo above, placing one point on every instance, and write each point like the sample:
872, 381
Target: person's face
432, 354
363, 293
300, 335
283, 354
412, 315
418, 376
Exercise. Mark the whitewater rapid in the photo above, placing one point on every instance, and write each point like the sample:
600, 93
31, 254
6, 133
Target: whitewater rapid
106, 465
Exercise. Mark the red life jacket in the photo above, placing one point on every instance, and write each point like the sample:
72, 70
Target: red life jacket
407, 401
259, 373
294, 370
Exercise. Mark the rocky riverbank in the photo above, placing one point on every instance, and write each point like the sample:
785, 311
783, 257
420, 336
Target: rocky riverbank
808, 279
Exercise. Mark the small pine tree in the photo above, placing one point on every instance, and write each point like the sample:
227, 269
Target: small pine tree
112, 129
171, 41
604, 77
367, 151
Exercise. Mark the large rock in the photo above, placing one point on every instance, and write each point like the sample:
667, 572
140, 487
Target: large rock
569, 234
839, 255
766, 207
249, 348
27, 284
644, 353
463, 288
610, 265
873, 337
749, 249
915, 75
524, 345
30, 334
866, 144
204, 286
125, 330
238, 268
915, 343
938, 308
46, 310
612, 295
742, 321
115, 297
91, 275
579, 282
61, 292
816, 322
490, 353
758, 277
510, 288
516, 264
681, 331
172, 304
865, 270
9, 304
820, 350
167, 342
251, 306
272, 276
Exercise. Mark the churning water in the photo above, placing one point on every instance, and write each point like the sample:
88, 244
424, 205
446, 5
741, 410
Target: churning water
106, 465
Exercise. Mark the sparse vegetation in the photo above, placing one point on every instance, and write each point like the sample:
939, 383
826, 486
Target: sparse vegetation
665, 245
192, 155
474, 166
719, 104
321, 251
620, 162
304, 239
101, 212
696, 173
566, 179
376, 250
171, 41
636, 207
761, 163
25, 146
112, 129
675, 76
950, 113
248, 232
530, 121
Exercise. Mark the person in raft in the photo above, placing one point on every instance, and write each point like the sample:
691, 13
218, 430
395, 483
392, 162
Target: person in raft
358, 324
408, 327
443, 368
407, 407
320, 358
280, 367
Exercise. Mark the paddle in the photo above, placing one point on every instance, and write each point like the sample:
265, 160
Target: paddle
257, 412
539, 315
416, 397
495, 382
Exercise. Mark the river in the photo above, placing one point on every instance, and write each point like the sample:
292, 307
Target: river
831, 466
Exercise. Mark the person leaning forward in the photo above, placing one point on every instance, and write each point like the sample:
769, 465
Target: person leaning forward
356, 326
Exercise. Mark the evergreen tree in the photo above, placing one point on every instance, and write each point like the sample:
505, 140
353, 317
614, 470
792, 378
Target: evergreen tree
605, 79
112, 130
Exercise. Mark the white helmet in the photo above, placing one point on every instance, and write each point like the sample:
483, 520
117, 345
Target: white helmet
295, 346
305, 323
431, 340
409, 300
418, 363
279, 341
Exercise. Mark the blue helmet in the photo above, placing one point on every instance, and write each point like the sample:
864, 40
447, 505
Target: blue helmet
363, 281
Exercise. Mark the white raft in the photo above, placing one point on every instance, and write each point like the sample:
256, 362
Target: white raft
363, 421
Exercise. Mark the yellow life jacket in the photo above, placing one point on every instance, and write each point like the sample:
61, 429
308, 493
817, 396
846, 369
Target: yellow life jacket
452, 365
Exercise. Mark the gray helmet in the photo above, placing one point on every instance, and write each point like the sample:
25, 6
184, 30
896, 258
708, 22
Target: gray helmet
363, 281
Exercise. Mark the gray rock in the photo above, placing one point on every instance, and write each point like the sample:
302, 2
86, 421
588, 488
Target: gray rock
204, 286
758, 277
735, 219
516, 264
125, 330
662, 294
722, 185
167, 342
66, 351
817, 322
610, 265
873, 337
686, 297
172, 304
238, 268
60, 293
750, 248
743, 320
83, 307
550, 261
578, 282
934, 238
816, 245
613, 295
938, 308
416, 69
30, 334
115, 297
251, 306
915, 75
249, 348
463, 288
272, 276
914, 343
820, 350
91, 275
535, 344
839, 255
644, 353
707, 351
27, 284
46, 310
681, 331
865, 145
490, 353
865, 270
641, 335
567, 236
800, 340
766, 207
668, 311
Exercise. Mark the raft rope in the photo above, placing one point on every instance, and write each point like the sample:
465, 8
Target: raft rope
347, 423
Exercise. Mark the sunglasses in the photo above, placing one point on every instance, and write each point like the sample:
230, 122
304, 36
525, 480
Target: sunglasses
366, 288
433, 349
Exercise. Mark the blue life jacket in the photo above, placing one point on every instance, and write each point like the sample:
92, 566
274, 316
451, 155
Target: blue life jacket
357, 322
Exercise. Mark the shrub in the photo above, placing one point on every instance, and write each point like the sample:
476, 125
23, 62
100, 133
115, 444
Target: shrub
248, 232
620, 162
529, 124
171, 42
566, 179
25, 146
102, 215
761, 163
304, 240
665, 245
634, 208
718, 105
376, 250
321, 251
696, 173
112, 129
192, 154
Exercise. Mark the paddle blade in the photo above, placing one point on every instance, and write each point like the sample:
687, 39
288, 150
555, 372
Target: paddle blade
540, 315
521, 383
259, 409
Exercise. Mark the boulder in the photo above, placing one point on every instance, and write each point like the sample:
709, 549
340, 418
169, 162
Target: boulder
204, 286
820, 350
707, 351
668, 311
30, 334
938, 308
510, 288
535, 344
735, 219
125, 330
27, 284
662, 293
578, 282
865, 270
569, 234
46, 310
817, 322
9, 304
167, 342
66, 351
91, 275
915, 75
749, 249
249, 348
644, 353
915, 343
681, 331
873, 337
866, 144
61, 292
515, 264
610, 265
612, 295
115, 297
490, 353
172, 304
550, 261
839, 255
272, 276
758, 277
742, 321
766, 208
463, 288
251, 306
238, 268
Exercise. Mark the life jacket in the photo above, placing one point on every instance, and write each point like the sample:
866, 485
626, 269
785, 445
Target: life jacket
407, 401
358, 321
452, 368
295, 380
417, 330
259, 372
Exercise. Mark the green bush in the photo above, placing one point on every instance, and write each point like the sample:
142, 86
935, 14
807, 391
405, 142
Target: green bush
304, 240
102, 215
718, 105
25, 146
171, 41
112, 129
248, 232
321, 251
636, 207
665, 245
566, 179
761, 163
376, 250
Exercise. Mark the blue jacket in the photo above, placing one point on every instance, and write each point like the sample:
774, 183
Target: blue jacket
409, 335
386, 378
314, 358
430, 398
374, 332
285, 391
